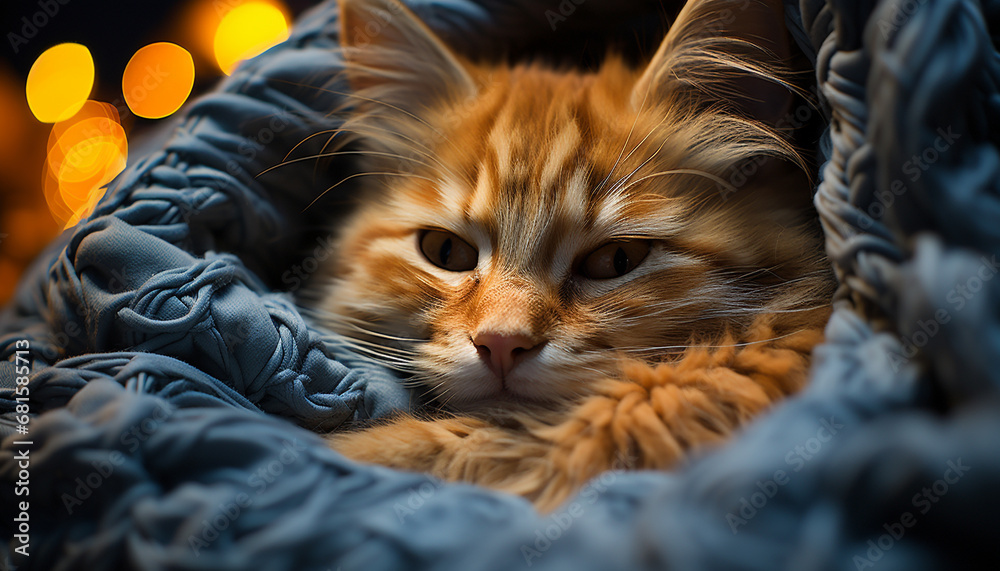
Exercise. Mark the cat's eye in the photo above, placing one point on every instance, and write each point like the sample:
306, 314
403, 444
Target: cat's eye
447, 251
614, 259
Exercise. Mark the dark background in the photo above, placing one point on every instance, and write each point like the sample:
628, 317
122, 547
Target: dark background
112, 31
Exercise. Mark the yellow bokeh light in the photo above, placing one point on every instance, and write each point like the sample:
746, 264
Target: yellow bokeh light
59, 82
158, 80
84, 154
88, 151
247, 30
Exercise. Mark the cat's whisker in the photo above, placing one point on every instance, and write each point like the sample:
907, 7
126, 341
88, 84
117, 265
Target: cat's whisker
442, 396
433, 384
366, 130
381, 351
335, 132
358, 325
438, 133
709, 345
617, 185
360, 174
401, 366
354, 95
797, 310
614, 307
706, 314
348, 128
323, 149
627, 139
412, 144
620, 182
385, 349
594, 370
716, 179
339, 153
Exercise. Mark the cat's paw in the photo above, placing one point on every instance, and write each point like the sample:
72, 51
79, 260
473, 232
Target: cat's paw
655, 415
498, 453
410, 443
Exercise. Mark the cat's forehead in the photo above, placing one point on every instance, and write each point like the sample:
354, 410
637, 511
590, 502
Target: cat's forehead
559, 166
540, 200
543, 160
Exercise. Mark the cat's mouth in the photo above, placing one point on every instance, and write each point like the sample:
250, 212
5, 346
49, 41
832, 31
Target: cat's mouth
457, 375
511, 389
481, 387
505, 397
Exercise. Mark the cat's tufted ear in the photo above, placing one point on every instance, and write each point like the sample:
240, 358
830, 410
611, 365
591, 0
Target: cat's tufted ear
396, 58
733, 53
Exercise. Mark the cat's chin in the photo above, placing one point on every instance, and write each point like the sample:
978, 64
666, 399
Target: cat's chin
504, 399
475, 387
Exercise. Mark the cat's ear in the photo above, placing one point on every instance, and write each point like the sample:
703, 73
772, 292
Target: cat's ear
387, 47
734, 53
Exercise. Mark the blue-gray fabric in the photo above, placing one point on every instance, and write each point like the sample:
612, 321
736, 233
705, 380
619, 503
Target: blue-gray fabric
173, 381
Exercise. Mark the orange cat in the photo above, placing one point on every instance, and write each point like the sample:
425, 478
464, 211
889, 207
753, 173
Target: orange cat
577, 267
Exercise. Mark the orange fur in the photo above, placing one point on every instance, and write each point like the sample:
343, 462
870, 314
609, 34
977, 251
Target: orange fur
650, 419
535, 170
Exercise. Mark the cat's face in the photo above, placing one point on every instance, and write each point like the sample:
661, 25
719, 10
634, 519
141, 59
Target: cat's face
539, 225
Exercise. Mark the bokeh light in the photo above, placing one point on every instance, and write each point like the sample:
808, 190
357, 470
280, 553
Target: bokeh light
84, 154
248, 30
59, 82
158, 80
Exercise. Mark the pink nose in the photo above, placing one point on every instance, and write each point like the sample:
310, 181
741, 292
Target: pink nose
503, 352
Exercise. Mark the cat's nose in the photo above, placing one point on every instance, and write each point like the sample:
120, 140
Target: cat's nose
503, 352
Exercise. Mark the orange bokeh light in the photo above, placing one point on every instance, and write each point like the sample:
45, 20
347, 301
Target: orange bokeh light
248, 30
84, 154
59, 82
229, 31
158, 80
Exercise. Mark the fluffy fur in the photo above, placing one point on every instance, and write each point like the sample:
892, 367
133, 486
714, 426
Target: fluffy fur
648, 418
537, 169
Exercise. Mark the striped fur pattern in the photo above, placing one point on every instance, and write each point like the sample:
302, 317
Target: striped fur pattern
536, 168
